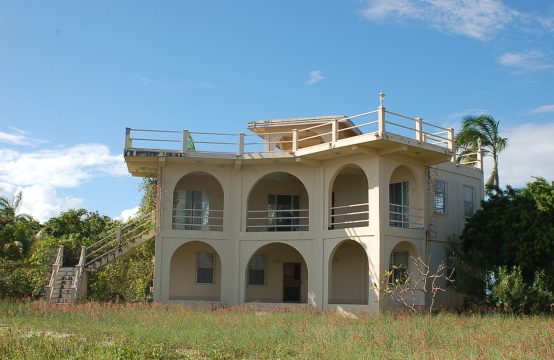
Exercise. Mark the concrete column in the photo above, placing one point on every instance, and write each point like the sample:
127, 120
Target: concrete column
319, 263
158, 257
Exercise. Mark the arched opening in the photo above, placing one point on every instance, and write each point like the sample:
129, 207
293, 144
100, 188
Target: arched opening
404, 199
195, 273
348, 274
198, 203
278, 202
402, 268
349, 206
276, 273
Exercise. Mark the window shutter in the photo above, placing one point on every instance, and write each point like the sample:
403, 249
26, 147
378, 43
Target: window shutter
205, 265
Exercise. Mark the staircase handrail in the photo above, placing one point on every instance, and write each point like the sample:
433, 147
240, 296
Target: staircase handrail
78, 274
113, 234
119, 237
55, 269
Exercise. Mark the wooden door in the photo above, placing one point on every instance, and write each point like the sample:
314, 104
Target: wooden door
291, 282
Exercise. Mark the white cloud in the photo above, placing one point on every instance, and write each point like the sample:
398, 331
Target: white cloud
525, 60
529, 153
543, 109
127, 214
314, 77
17, 137
478, 19
40, 174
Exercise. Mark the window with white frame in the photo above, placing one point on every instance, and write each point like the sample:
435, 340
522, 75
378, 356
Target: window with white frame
205, 268
257, 270
398, 266
283, 214
469, 203
399, 203
192, 210
440, 196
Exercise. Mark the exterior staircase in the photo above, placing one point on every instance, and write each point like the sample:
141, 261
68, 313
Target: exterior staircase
67, 284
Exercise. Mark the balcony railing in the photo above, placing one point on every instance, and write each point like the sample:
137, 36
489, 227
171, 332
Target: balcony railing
377, 122
405, 217
198, 219
277, 220
349, 216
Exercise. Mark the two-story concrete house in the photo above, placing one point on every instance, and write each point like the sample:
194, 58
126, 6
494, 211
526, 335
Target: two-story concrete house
303, 210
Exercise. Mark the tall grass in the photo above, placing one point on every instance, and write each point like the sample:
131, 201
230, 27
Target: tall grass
33, 330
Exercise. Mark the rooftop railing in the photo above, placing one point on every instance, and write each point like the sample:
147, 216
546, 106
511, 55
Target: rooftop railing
378, 122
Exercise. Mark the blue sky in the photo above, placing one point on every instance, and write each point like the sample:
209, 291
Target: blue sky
74, 75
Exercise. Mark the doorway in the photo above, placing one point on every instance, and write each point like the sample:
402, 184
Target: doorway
291, 282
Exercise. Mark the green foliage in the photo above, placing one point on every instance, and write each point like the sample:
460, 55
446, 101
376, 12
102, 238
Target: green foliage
128, 279
149, 188
510, 293
16, 230
483, 130
32, 330
514, 228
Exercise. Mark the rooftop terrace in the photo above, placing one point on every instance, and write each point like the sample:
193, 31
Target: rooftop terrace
308, 138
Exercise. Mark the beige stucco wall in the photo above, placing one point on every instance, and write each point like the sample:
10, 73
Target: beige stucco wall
272, 291
317, 246
348, 274
350, 187
182, 274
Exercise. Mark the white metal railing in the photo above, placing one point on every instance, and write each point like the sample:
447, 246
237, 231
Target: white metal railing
470, 157
198, 219
378, 122
55, 269
405, 217
349, 216
119, 237
277, 220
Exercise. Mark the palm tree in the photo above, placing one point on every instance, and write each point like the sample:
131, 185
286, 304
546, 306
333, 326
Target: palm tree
483, 130
15, 229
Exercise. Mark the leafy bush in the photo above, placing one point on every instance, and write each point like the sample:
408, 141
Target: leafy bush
510, 293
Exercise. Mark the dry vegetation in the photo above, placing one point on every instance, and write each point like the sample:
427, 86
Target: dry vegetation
33, 330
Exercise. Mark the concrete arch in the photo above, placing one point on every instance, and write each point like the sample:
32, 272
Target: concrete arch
279, 284
183, 273
208, 208
288, 210
348, 188
348, 280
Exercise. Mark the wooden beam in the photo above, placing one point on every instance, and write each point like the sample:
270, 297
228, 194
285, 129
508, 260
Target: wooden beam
393, 150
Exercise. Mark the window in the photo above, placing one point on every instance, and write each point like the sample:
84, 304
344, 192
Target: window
257, 269
192, 210
399, 204
205, 266
468, 201
398, 265
440, 196
283, 214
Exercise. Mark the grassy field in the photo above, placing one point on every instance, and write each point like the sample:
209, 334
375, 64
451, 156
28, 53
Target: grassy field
33, 330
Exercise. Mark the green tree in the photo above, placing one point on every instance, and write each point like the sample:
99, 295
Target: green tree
129, 277
514, 228
16, 230
483, 129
